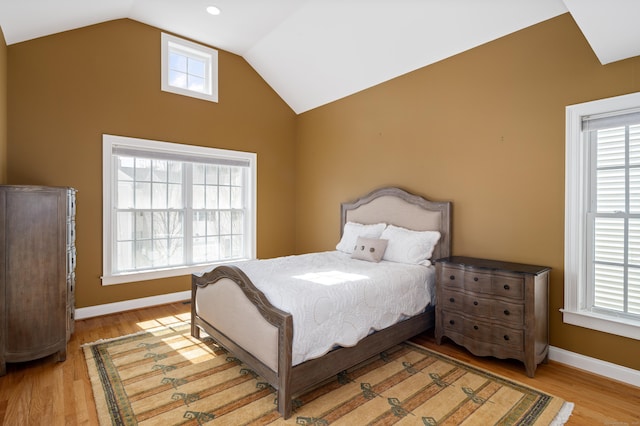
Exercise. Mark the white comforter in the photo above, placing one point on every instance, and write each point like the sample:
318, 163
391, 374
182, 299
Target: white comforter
336, 300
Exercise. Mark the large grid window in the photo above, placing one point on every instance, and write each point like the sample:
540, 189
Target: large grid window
170, 208
189, 69
602, 216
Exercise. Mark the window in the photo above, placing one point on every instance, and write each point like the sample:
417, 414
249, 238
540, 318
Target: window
602, 216
189, 69
172, 209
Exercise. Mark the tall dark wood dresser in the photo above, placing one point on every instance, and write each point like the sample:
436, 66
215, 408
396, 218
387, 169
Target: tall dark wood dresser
37, 272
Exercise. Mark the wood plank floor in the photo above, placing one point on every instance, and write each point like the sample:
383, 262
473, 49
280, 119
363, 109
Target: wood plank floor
45, 392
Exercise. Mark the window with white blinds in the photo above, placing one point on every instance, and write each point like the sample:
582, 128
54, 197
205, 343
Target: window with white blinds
173, 209
614, 214
602, 216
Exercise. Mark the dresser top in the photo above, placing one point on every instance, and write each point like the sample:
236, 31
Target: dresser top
494, 265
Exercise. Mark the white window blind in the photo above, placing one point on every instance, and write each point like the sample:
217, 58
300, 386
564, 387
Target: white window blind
613, 218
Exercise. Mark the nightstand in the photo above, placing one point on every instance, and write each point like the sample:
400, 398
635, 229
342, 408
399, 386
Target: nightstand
494, 308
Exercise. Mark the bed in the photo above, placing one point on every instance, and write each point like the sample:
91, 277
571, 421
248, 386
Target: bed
230, 307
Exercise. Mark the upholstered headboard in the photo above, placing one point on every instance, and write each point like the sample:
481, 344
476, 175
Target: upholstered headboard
398, 207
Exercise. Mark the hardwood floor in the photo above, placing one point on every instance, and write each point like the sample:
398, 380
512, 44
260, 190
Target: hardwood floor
45, 392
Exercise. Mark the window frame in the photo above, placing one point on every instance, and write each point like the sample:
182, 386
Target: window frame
108, 193
170, 44
578, 169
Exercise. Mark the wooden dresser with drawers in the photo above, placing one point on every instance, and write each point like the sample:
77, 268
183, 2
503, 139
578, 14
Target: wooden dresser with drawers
494, 308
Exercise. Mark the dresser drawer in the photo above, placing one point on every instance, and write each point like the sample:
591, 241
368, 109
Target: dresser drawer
508, 285
494, 284
452, 277
460, 279
477, 306
484, 332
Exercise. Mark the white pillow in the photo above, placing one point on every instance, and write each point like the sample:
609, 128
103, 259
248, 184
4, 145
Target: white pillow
369, 249
408, 246
353, 230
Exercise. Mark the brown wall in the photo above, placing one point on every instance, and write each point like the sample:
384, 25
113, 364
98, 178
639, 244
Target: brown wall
484, 129
66, 90
3, 109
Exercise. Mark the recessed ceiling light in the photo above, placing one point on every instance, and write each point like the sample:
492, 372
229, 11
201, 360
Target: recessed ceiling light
213, 10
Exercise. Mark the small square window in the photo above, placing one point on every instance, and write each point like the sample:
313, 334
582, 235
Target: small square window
189, 69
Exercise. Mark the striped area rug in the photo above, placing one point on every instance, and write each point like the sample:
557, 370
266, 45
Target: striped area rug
166, 377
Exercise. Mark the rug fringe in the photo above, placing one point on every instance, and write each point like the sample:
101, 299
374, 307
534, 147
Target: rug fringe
563, 415
151, 330
100, 341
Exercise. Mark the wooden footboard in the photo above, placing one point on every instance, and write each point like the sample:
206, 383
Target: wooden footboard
228, 307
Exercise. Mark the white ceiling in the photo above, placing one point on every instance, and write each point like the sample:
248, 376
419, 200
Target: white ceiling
313, 52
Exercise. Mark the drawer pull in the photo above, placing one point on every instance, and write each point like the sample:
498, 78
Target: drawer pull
506, 287
506, 337
452, 300
475, 279
452, 277
452, 322
475, 303
475, 327
506, 312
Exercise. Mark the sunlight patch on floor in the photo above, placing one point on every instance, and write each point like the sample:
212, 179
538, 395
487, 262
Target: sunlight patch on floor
164, 321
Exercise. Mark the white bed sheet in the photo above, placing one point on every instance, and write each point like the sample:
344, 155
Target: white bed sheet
336, 300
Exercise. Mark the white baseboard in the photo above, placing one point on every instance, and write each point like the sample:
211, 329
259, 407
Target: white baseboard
595, 366
582, 362
127, 305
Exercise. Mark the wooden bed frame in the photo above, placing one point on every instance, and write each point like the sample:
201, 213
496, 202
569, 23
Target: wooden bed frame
240, 318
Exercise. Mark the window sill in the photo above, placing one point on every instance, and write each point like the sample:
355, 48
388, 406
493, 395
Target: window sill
618, 326
160, 273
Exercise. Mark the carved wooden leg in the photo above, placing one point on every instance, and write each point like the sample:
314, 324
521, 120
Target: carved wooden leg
438, 337
531, 368
284, 404
195, 330
61, 355
438, 334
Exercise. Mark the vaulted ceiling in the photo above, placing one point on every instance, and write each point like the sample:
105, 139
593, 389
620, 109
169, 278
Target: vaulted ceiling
312, 52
